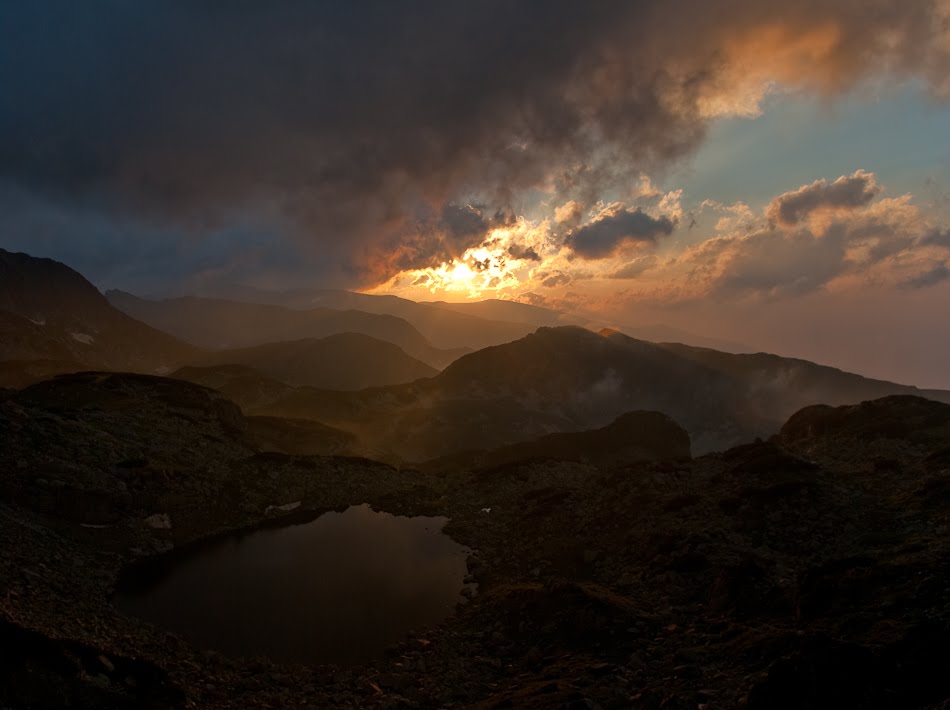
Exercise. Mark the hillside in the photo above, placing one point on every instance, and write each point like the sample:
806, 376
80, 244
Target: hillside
444, 328
50, 312
346, 361
569, 379
222, 324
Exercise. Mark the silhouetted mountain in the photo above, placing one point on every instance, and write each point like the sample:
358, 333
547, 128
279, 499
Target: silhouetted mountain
50, 312
510, 311
470, 324
569, 379
216, 323
346, 361
659, 333
538, 316
444, 328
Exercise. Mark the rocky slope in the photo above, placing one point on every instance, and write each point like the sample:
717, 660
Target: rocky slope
810, 570
50, 312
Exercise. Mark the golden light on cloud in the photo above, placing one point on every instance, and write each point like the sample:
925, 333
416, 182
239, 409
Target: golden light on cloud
498, 268
758, 61
830, 235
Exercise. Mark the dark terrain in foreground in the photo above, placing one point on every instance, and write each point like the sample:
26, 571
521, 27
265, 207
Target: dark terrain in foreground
810, 570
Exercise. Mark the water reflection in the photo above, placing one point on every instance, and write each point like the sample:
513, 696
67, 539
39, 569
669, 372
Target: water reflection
339, 589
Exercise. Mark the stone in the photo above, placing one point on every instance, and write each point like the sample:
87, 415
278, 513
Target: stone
159, 521
285, 508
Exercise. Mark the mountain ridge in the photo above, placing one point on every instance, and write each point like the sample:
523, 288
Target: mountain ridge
49, 311
343, 361
569, 379
226, 324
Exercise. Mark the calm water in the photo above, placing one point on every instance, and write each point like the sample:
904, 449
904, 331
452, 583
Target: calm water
339, 589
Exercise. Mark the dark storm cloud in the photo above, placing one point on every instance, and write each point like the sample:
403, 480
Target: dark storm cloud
937, 238
347, 125
463, 223
519, 251
605, 235
938, 273
847, 192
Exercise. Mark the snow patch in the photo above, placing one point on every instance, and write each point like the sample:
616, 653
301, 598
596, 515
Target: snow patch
83, 338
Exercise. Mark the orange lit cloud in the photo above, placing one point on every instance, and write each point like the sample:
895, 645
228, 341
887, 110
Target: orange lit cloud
825, 236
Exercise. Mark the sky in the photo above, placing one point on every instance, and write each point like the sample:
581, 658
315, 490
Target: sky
775, 174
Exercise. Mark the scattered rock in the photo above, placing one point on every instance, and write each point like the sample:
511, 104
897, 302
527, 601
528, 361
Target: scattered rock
285, 508
159, 521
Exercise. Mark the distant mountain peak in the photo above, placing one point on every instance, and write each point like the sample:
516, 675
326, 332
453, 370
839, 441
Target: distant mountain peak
49, 311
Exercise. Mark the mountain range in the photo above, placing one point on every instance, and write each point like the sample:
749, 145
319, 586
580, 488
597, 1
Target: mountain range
375, 376
560, 380
447, 328
221, 324
345, 361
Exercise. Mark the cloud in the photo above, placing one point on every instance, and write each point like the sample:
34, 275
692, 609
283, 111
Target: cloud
605, 235
520, 251
936, 274
937, 237
552, 279
848, 192
633, 269
348, 128
884, 243
568, 213
780, 265
463, 223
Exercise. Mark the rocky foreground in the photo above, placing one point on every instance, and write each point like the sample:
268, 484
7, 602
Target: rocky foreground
812, 570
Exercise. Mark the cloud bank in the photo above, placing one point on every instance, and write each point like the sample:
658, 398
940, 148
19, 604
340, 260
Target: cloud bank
359, 132
846, 193
605, 235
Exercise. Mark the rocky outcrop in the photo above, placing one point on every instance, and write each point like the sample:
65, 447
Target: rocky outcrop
769, 575
906, 418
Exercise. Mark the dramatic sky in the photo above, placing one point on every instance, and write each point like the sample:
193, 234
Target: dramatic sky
774, 173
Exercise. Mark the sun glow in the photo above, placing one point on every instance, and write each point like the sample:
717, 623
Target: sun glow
499, 267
